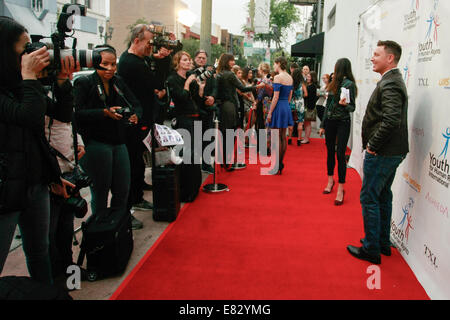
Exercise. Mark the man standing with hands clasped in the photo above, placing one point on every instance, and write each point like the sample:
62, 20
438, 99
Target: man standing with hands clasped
385, 140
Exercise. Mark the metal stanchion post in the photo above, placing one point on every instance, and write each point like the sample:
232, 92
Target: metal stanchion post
215, 187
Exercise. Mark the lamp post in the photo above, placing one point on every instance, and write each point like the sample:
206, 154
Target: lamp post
107, 35
205, 28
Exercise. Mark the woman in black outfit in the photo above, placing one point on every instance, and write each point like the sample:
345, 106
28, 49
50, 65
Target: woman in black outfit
310, 104
187, 95
337, 123
27, 164
97, 105
227, 83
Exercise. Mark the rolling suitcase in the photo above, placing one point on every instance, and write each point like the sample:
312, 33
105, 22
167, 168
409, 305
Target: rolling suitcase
166, 193
190, 182
107, 244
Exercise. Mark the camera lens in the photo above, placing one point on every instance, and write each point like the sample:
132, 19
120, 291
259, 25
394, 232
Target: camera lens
87, 58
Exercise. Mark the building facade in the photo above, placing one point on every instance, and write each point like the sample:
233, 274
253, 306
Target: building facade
126, 13
40, 18
341, 30
87, 28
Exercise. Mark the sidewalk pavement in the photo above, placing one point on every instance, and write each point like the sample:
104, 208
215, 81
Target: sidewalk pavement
143, 241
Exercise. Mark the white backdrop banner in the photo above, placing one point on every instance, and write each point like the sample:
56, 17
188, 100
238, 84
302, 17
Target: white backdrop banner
420, 221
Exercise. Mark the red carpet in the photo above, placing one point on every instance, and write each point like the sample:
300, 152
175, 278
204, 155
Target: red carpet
269, 238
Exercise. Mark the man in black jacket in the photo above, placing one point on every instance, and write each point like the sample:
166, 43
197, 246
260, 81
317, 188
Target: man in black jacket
385, 140
207, 108
135, 69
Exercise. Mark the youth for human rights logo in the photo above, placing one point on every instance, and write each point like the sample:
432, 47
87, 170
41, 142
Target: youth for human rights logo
433, 21
400, 232
411, 18
446, 136
439, 165
406, 221
407, 70
428, 49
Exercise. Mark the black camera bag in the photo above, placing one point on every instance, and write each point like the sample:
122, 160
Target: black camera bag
107, 243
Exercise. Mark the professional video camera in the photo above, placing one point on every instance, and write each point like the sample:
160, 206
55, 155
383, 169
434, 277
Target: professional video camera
87, 58
76, 203
162, 38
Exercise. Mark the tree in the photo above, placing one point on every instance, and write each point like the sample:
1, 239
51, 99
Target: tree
216, 51
191, 46
131, 27
283, 15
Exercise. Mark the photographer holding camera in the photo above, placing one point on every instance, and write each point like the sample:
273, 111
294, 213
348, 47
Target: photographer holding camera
28, 165
65, 204
135, 69
208, 107
161, 65
104, 111
187, 92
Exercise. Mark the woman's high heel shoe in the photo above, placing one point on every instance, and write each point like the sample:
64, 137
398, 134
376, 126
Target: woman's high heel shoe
275, 172
281, 169
328, 192
340, 202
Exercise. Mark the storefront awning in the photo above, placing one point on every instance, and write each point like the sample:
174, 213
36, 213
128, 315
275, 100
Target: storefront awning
311, 47
26, 17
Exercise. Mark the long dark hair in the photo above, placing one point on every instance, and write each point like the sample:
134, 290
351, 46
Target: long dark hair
343, 69
314, 79
224, 62
298, 78
245, 73
10, 32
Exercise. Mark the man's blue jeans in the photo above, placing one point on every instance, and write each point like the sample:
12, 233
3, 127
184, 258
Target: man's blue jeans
376, 200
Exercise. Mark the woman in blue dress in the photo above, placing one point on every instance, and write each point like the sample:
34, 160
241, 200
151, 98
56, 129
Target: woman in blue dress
280, 115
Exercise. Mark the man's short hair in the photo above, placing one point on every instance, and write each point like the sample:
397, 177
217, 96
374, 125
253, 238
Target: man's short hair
138, 32
392, 47
200, 51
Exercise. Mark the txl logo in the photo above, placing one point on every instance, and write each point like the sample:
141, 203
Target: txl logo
423, 82
431, 257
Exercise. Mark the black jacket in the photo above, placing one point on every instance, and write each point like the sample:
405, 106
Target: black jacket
335, 111
210, 91
227, 83
137, 74
27, 158
89, 109
311, 99
186, 102
385, 124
